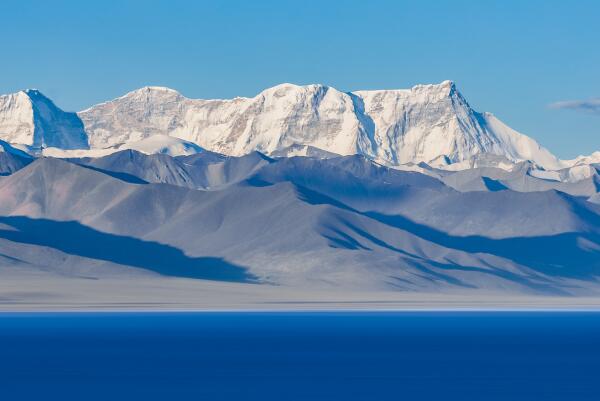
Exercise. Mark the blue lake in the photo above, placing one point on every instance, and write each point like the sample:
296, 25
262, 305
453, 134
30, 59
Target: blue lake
300, 356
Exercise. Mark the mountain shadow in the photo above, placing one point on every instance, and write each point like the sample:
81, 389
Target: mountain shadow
570, 254
76, 239
573, 254
9, 163
493, 185
129, 178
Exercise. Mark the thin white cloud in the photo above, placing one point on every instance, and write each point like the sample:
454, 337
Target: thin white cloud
588, 106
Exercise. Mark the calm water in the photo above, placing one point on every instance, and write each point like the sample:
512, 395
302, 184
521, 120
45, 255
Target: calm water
300, 356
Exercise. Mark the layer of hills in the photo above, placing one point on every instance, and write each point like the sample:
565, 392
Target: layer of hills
299, 221
299, 186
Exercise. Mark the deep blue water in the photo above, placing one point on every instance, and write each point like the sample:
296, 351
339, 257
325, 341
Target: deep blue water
300, 356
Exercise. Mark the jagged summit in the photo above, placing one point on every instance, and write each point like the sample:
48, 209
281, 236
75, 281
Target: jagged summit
156, 88
30, 118
446, 85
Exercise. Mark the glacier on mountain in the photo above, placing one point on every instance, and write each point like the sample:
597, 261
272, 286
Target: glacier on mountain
430, 124
392, 127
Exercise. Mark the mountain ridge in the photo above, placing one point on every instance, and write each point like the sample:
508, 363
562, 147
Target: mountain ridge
430, 123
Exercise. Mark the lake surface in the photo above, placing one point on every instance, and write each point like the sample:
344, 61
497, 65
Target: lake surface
300, 356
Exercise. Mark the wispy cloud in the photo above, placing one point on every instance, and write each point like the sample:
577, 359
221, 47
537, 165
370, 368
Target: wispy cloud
588, 106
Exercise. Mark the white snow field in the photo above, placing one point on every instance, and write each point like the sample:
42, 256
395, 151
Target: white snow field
301, 197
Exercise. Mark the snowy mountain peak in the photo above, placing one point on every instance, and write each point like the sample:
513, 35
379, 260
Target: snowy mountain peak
159, 90
433, 123
30, 118
594, 158
294, 91
152, 92
447, 87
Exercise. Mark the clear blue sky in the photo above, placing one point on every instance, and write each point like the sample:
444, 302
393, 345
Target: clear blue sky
512, 58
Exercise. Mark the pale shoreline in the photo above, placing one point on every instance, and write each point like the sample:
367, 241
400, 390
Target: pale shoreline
49, 293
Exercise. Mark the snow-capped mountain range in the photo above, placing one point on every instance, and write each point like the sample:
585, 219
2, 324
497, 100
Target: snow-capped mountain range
430, 124
299, 186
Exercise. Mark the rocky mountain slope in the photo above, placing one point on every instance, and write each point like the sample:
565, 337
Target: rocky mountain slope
305, 222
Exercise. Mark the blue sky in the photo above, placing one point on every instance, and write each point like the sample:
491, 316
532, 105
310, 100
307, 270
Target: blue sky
513, 58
